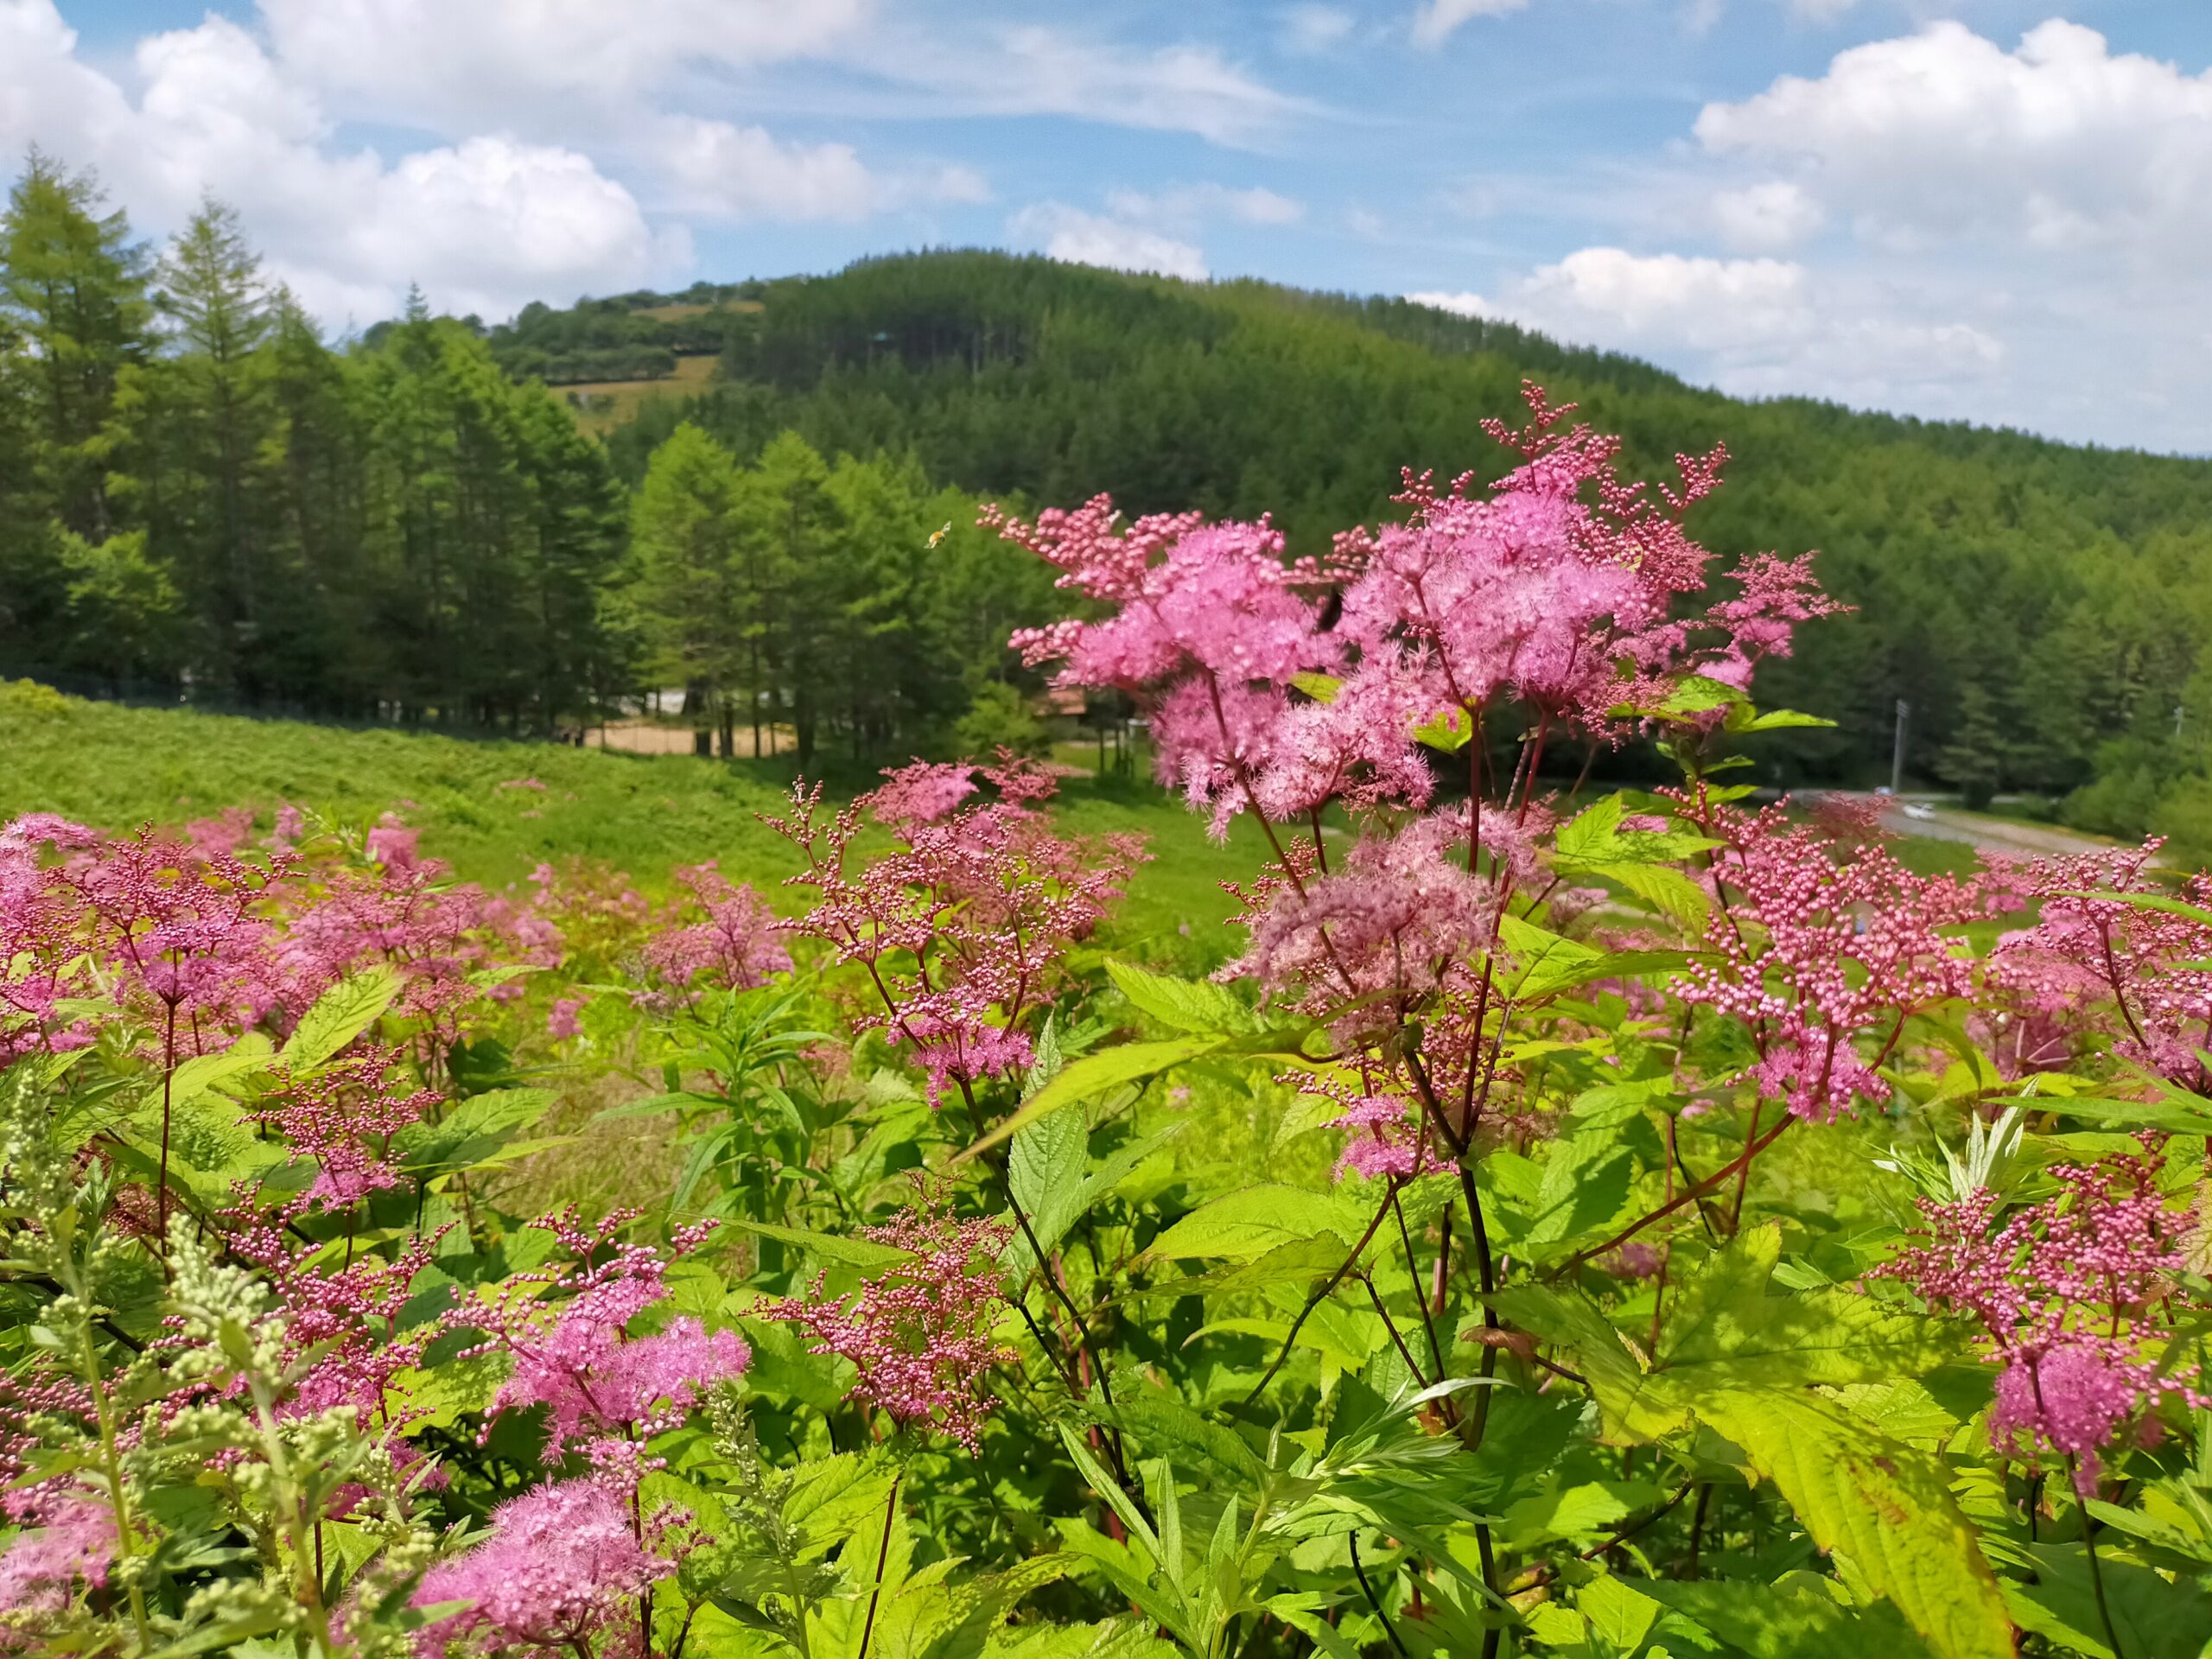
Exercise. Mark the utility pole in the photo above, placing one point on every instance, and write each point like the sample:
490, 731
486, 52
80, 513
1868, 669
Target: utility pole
1897, 755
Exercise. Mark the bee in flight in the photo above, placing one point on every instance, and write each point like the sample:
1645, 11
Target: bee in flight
939, 535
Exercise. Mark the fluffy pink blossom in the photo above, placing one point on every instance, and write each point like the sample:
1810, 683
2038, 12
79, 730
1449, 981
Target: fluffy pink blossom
42, 925
571, 1346
919, 1333
731, 945
1380, 1137
392, 844
561, 1020
2093, 964
1561, 590
562, 1570
71, 1540
922, 792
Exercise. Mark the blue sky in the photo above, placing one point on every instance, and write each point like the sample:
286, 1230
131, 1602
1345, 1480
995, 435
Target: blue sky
1986, 210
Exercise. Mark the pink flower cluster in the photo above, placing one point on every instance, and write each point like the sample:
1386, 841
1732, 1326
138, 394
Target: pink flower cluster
2065, 1290
919, 1333
1558, 590
70, 1542
959, 928
2096, 963
568, 1330
733, 945
343, 1117
561, 1573
1824, 950
1382, 1132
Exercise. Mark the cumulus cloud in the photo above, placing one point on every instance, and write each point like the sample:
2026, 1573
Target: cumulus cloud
1756, 326
484, 225
2060, 144
1438, 20
1082, 238
1770, 216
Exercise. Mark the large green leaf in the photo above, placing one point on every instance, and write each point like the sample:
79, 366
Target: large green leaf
1633, 1405
1192, 1005
1726, 1328
1795, 1618
1248, 1223
473, 1131
1886, 1506
340, 1015
862, 1252
2152, 1618
1093, 1076
1055, 1183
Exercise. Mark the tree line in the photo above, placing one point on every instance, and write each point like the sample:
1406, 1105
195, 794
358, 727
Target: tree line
200, 496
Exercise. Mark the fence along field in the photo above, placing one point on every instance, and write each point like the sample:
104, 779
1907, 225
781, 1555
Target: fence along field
1646, 1220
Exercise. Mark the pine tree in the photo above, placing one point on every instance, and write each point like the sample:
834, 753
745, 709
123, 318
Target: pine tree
73, 286
685, 531
798, 564
216, 417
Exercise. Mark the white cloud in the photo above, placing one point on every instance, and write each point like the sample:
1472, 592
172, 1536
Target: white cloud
717, 167
1753, 326
1767, 217
458, 65
1942, 136
484, 225
1185, 206
1069, 233
1035, 70
1438, 20
1307, 31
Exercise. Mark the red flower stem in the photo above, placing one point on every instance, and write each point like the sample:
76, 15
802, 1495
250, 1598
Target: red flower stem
882, 1554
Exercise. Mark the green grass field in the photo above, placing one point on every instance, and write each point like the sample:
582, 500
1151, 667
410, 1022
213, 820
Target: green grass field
118, 767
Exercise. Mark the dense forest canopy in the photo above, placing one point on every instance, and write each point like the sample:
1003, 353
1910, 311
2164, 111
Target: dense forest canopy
197, 491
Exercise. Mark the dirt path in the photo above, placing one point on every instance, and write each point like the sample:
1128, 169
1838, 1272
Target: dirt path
649, 737
1989, 834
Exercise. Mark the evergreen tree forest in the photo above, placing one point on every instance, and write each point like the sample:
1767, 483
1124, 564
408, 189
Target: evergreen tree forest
2044, 608
201, 495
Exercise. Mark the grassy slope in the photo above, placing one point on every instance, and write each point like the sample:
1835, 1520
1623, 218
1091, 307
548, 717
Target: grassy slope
118, 767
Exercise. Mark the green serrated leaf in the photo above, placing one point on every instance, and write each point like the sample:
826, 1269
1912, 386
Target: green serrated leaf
1726, 1328
1248, 1223
1093, 1076
1886, 1506
862, 1252
1192, 1005
340, 1015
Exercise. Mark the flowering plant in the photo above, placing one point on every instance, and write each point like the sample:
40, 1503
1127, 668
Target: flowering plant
1606, 1222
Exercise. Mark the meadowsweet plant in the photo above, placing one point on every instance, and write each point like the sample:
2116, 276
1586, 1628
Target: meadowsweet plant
1577, 1219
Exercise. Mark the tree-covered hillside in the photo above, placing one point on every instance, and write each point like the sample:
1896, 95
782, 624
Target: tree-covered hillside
201, 497
2042, 606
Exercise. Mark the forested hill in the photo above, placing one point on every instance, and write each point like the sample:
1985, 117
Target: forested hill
202, 497
2041, 606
